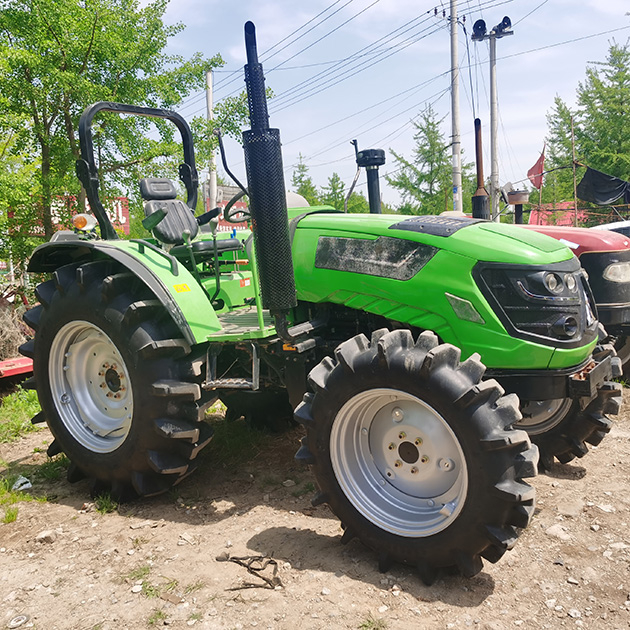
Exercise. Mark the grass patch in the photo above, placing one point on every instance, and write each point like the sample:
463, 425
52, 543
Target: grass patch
53, 469
10, 514
195, 617
16, 412
150, 591
104, 504
156, 617
372, 623
171, 585
269, 481
234, 443
307, 488
194, 587
139, 573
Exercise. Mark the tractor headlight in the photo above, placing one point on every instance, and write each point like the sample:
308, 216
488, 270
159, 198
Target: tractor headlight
617, 272
553, 282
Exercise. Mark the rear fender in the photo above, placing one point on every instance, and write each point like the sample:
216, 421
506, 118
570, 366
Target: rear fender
170, 282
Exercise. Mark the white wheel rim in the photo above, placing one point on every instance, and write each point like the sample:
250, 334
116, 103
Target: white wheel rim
540, 416
90, 386
399, 462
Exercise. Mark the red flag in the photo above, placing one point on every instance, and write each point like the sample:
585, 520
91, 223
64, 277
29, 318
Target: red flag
535, 173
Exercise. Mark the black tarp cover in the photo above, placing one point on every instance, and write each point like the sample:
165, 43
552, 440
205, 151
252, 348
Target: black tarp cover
602, 189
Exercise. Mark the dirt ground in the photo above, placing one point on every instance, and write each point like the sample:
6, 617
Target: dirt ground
174, 560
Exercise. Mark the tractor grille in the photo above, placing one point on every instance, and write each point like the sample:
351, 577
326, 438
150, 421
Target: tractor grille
521, 298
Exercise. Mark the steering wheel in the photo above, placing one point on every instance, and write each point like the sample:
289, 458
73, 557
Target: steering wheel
230, 213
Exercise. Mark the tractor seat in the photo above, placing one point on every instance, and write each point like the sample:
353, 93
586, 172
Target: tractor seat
161, 194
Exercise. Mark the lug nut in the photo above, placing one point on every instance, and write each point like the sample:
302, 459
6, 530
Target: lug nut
398, 463
402, 435
424, 459
418, 441
103, 385
392, 446
414, 471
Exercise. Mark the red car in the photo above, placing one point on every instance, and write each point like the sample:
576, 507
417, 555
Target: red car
605, 256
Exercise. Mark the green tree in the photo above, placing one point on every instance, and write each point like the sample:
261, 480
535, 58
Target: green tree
558, 182
604, 113
303, 184
358, 204
601, 119
333, 194
424, 181
57, 58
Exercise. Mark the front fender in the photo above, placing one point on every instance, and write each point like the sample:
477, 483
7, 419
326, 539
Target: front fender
170, 282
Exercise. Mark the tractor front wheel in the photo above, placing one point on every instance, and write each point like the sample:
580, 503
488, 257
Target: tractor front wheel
415, 455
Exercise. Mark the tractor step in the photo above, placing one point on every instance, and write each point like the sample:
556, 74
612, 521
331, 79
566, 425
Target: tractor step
214, 382
229, 383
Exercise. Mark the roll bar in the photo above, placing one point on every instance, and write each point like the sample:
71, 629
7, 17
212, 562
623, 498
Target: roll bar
87, 171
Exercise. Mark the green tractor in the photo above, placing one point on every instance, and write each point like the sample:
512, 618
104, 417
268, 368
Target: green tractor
372, 328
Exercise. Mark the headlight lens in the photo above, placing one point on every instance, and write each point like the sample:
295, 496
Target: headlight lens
553, 282
617, 272
570, 282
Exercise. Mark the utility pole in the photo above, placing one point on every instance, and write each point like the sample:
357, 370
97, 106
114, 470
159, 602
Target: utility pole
494, 131
479, 34
456, 140
212, 169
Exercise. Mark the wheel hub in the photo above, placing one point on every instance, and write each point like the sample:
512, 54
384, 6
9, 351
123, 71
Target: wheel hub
113, 379
399, 462
90, 385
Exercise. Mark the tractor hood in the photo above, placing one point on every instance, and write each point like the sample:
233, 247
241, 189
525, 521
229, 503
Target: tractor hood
474, 238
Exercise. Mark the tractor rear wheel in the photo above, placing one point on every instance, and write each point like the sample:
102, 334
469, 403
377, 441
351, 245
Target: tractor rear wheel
415, 455
562, 430
114, 381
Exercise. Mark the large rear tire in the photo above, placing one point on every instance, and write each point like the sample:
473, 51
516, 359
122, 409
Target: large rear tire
114, 381
415, 455
562, 430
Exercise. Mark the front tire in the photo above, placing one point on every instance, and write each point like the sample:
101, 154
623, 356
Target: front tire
114, 381
415, 455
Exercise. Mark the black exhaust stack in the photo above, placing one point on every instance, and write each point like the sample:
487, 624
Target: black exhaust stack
267, 196
371, 159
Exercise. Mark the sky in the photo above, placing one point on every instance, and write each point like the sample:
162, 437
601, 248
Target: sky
365, 69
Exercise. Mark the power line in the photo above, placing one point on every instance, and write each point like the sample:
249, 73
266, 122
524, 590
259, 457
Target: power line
323, 36
390, 98
363, 52
265, 59
226, 81
352, 72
